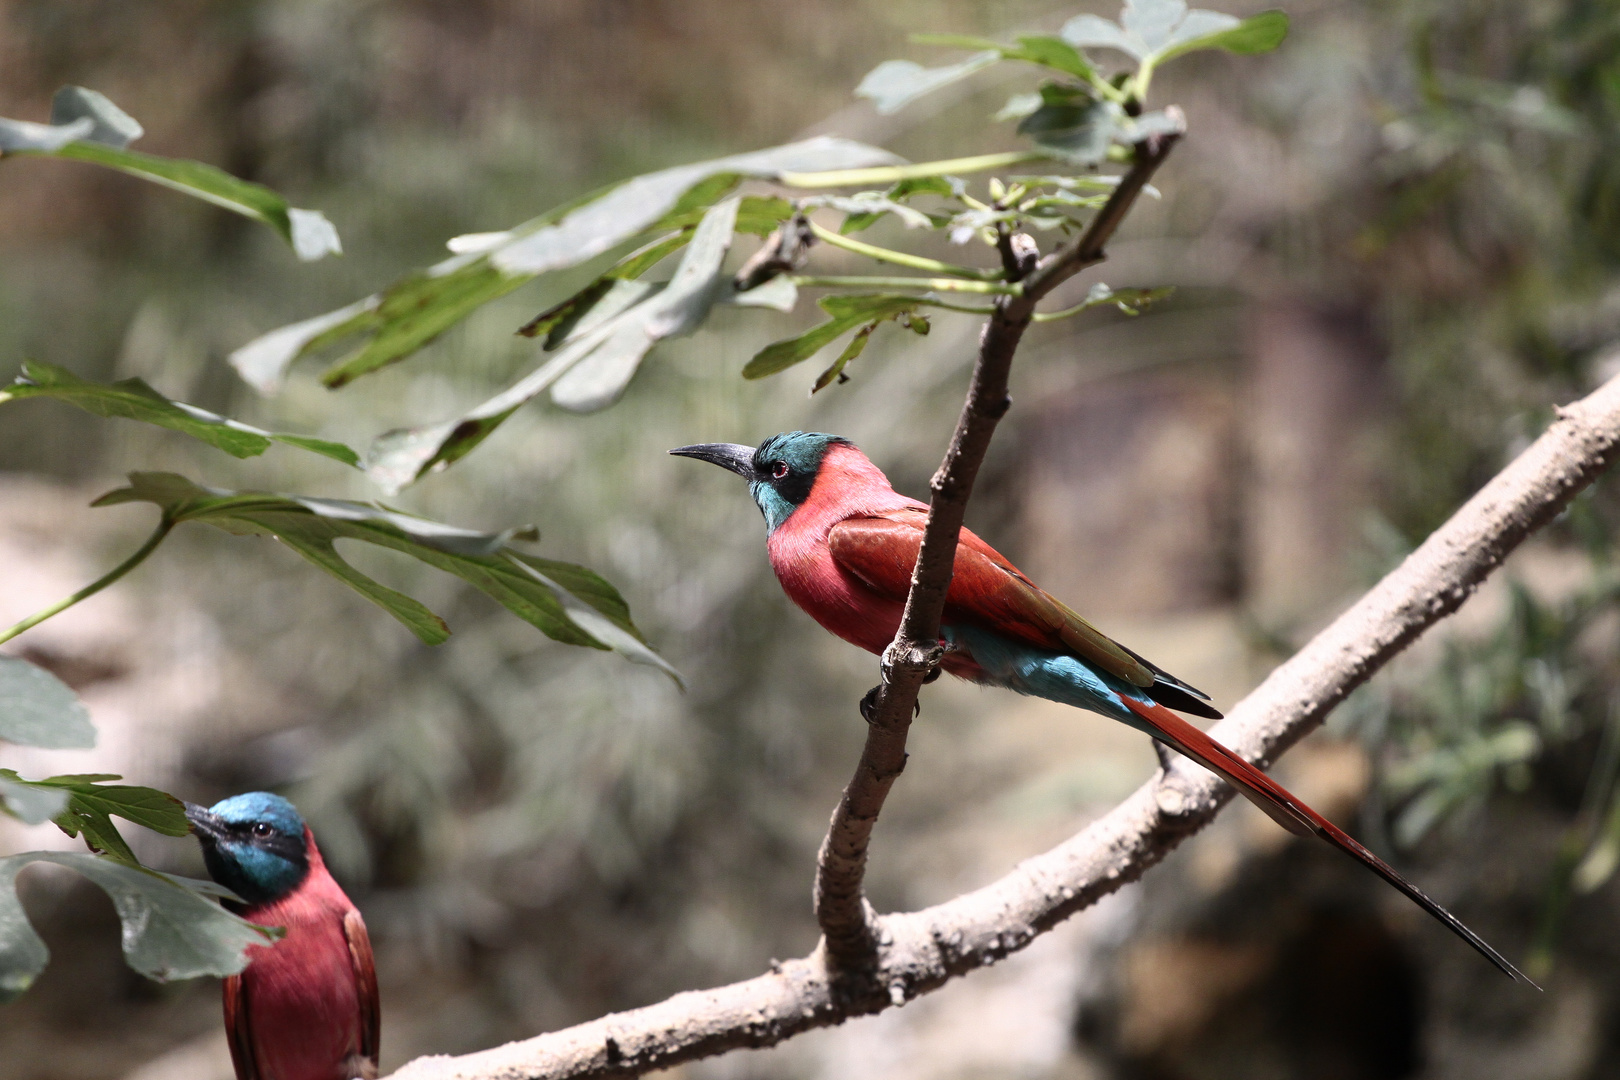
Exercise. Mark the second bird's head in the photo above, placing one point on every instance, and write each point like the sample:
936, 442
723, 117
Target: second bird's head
780, 471
254, 845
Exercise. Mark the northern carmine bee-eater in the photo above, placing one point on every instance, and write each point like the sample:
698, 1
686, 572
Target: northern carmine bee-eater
843, 544
305, 1008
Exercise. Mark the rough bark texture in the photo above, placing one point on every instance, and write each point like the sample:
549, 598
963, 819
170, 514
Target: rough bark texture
849, 927
919, 951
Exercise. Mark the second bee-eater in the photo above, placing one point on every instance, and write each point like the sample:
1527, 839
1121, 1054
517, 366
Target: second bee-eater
305, 1008
843, 544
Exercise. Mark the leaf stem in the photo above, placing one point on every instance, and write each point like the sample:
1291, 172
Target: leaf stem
900, 258
941, 284
95, 586
889, 174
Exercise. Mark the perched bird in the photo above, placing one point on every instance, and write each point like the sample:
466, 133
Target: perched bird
843, 544
305, 1008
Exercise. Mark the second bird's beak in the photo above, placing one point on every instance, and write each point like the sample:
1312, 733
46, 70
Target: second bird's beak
734, 456
204, 822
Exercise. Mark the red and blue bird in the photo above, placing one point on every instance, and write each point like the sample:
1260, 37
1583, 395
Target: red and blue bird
305, 1008
843, 544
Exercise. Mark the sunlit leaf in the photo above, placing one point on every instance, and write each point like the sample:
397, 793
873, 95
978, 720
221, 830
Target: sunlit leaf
170, 930
38, 709
599, 357
779, 293
310, 526
1153, 31
133, 399
894, 84
85, 126
423, 304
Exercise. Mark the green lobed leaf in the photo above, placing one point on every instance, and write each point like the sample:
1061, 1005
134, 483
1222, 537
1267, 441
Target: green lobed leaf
847, 312
601, 355
487, 561
423, 304
38, 709
133, 399
89, 804
171, 929
29, 804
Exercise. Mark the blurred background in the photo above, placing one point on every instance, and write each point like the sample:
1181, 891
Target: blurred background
1396, 244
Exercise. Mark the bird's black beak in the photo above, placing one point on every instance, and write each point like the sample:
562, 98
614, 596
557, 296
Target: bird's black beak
739, 459
204, 822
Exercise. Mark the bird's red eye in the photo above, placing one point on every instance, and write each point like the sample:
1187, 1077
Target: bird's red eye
261, 829
779, 470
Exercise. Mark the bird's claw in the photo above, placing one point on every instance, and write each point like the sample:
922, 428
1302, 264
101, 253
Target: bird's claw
869, 706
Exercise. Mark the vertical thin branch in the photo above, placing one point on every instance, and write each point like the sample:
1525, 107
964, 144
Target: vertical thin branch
848, 924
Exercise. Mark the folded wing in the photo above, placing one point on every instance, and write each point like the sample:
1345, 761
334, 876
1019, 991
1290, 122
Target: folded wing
988, 591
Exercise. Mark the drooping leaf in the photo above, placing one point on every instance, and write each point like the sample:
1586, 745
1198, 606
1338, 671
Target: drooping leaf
600, 356
846, 313
1257, 34
38, 709
85, 126
894, 84
423, 304
133, 399
835, 370
310, 526
171, 928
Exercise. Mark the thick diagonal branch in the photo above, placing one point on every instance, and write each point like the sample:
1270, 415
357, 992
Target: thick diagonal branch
847, 922
922, 950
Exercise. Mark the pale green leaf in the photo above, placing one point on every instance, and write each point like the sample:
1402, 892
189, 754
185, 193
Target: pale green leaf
599, 357
894, 84
38, 709
421, 305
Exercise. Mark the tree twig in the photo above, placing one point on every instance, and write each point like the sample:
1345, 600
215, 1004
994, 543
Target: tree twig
848, 924
922, 950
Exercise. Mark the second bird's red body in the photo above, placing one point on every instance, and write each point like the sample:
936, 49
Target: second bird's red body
306, 1008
